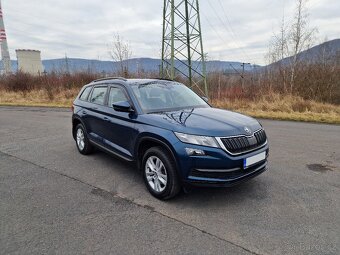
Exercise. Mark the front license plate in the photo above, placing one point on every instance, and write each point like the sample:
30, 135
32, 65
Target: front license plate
247, 162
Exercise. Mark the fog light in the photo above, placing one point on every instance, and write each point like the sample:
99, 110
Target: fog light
194, 152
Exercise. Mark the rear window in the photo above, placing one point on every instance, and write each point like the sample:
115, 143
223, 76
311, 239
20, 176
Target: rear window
85, 94
98, 95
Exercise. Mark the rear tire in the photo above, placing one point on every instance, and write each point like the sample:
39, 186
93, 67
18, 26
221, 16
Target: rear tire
82, 142
160, 173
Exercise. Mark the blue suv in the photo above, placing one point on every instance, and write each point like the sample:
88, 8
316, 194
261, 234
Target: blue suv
174, 136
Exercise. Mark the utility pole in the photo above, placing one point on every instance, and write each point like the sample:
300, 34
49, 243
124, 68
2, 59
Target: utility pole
242, 76
67, 67
182, 45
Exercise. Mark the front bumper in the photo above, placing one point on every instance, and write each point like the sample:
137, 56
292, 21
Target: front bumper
217, 168
225, 179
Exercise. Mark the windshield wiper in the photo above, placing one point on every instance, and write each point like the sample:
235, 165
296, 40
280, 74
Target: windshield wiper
156, 112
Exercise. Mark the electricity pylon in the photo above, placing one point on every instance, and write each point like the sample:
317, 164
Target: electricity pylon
182, 45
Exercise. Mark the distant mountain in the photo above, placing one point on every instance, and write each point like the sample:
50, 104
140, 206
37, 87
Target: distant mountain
327, 51
135, 64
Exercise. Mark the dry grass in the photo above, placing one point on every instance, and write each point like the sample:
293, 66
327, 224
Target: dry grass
38, 98
272, 106
284, 107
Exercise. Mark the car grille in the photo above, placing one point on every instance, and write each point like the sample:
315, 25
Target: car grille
241, 144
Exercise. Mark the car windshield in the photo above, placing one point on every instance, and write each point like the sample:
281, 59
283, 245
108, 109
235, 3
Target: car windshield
166, 96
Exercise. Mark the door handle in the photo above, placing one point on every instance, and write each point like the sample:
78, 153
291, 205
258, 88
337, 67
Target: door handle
106, 119
94, 108
84, 112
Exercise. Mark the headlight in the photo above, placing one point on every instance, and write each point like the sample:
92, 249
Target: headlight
196, 139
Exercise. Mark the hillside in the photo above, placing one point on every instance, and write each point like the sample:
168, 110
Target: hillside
328, 51
135, 64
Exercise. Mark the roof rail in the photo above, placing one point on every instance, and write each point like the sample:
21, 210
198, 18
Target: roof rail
110, 78
163, 79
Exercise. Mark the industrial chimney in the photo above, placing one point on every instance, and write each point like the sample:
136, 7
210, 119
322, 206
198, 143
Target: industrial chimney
6, 60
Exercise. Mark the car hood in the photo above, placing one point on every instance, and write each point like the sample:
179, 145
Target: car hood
204, 121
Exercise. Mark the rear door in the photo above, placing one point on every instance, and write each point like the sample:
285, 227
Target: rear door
120, 136
95, 113
83, 105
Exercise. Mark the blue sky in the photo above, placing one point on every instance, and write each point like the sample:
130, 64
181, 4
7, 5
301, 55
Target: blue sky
236, 30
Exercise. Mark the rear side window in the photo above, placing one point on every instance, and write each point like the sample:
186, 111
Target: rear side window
98, 95
85, 93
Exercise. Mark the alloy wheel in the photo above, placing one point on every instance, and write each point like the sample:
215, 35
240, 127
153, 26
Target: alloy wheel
80, 139
156, 174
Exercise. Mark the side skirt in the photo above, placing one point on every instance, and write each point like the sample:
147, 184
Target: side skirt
109, 151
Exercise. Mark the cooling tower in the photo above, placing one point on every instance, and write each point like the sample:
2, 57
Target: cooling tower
29, 61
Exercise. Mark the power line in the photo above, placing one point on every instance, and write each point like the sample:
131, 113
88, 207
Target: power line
213, 28
230, 26
220, 36
225, 27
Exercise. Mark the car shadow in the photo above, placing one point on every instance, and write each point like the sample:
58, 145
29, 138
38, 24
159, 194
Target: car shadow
218, 197
254, 189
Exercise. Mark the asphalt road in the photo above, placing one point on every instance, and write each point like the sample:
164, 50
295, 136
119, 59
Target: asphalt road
55, 201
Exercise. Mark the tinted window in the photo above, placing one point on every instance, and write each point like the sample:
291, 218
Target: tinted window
85, 93
116, 95
98, 95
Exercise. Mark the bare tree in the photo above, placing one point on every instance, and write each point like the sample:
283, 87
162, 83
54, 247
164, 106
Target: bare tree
289, 43
278, 51
300, 37
120, 52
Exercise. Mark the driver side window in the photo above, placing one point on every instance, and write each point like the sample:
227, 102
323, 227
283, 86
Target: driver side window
116, 95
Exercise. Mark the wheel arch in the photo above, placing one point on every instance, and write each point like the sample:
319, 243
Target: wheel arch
75, 121
147, 142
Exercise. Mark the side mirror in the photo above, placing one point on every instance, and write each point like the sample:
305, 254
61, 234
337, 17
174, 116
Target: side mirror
122, 106
205, 99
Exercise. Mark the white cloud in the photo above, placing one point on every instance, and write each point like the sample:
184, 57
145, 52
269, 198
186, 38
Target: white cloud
84, 28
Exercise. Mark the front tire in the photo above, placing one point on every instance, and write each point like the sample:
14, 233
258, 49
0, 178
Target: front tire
82, 142
160, 173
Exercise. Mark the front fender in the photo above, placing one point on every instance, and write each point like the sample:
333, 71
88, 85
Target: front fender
165, 138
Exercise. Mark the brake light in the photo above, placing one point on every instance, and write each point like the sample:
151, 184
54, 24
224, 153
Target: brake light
72, 108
